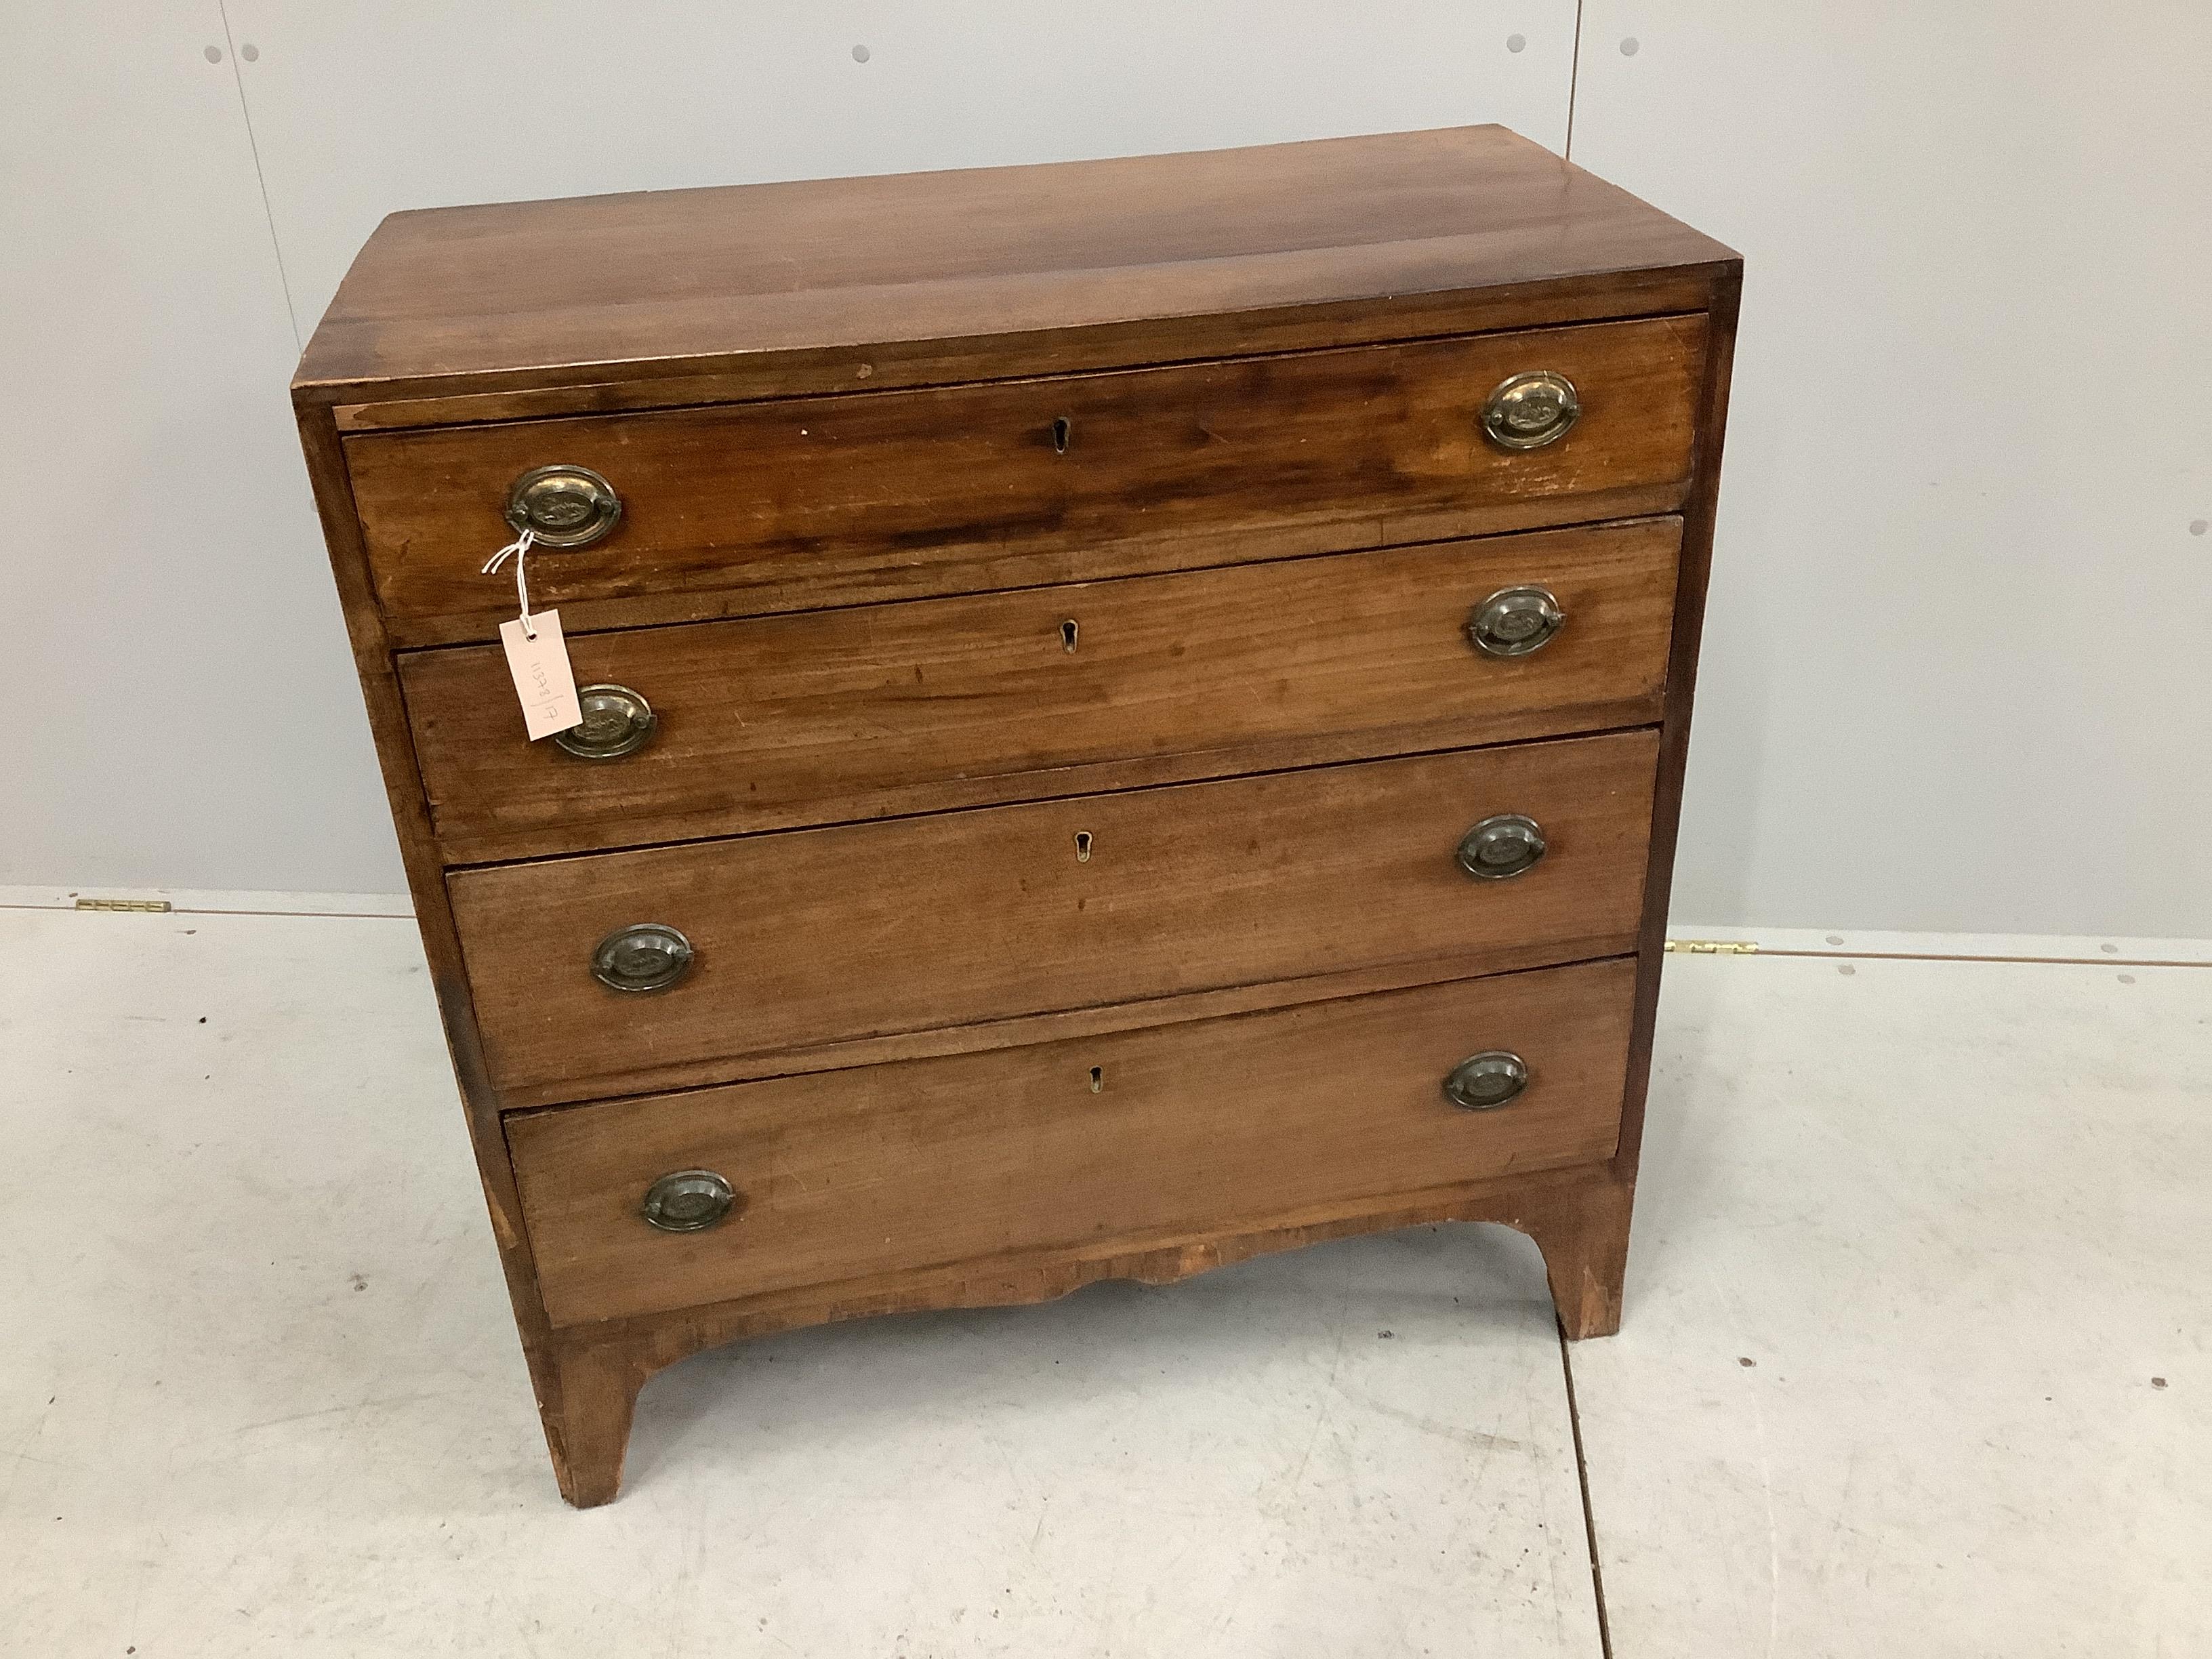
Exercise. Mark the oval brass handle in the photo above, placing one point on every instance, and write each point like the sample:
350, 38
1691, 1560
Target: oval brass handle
563, 506
1528, 410
1484, 1082
645, 955
1515, 620
1504, 846
617, 723
687, 1200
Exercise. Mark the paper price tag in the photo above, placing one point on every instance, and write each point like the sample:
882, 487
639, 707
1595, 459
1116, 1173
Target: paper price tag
542, 678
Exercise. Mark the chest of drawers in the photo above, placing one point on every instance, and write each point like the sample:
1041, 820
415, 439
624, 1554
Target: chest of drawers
1134, 715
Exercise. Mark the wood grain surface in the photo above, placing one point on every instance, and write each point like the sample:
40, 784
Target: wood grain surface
1681, 689
442, 949
1110, 1144
611, 287
808, 502
1578, 1216
834, 716
814, 935
824, 400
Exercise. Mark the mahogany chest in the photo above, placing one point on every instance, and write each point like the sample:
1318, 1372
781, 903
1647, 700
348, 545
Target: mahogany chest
1132, 714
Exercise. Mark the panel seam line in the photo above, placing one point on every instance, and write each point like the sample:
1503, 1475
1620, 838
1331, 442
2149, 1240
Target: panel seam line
1574, 79
261, 178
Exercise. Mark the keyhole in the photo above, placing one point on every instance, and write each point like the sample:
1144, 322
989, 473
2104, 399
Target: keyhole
1083, 847
1062, 430
1067, 636
1097, 1079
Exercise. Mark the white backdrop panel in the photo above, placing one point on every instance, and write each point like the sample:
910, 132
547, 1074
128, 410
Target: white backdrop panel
1954, 672
360, 110
183, 704
1957, 672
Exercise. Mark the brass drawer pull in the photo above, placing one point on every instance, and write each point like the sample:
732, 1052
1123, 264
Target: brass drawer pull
617, 723
687, 1200
645, 955
1530, 411
1515, 620
1502, 847
1484, 1082
563, 506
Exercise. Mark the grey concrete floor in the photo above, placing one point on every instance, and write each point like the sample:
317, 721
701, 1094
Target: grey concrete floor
1915, 1360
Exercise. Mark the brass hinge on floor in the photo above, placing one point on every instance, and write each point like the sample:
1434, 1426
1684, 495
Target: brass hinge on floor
1712, 947
159, 907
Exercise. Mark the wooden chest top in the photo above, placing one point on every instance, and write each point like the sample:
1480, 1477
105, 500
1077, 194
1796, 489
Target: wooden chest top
1060, 266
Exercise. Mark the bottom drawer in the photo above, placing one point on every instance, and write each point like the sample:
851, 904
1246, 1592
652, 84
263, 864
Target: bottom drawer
1093, 1147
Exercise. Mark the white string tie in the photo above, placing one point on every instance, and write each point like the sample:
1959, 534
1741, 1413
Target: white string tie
518, 548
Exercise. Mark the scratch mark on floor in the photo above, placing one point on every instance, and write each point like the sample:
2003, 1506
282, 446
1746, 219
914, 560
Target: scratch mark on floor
335, 1411
1465, 1437
1328, 1395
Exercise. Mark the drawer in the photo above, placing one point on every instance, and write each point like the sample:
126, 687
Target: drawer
814, 936
804, 503
833, 716
1089, 1149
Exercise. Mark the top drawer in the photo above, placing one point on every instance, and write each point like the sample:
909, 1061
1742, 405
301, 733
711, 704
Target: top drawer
809, 501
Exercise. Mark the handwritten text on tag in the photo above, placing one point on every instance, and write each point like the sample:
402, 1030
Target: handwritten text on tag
542, 678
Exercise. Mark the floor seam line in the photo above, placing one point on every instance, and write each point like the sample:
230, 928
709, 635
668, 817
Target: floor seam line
200, 910
1589, 1514
1947, 956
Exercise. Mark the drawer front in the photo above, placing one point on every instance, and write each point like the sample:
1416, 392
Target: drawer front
1092, 1148
804, 503
814, 936
841, 716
